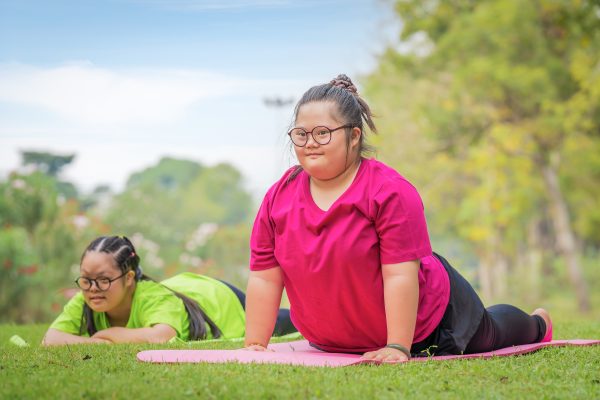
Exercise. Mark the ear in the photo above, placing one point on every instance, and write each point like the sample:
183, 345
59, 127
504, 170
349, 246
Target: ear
355, 136
130, 278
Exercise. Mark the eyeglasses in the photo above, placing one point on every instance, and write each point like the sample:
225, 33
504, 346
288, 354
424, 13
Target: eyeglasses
320, 134
103, 284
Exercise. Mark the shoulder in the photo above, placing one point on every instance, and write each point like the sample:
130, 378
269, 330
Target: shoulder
387, 181
74, 306
70, 319
189, 279
288, 183
148, 291
148, 286
291, 177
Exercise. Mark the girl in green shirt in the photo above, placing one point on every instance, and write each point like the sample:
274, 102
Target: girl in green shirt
119, 304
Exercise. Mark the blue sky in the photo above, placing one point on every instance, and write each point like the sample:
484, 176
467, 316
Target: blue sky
123, 82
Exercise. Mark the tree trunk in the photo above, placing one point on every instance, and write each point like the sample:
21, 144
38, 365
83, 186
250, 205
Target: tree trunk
485, 278
565, 237
500, 277
533, 262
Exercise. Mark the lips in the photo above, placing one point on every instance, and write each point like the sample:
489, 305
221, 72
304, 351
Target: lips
97, 298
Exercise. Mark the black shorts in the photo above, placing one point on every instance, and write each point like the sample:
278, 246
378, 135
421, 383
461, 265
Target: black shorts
460, 321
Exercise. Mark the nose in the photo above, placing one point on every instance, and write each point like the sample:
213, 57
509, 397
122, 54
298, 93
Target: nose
311, 142
94, 287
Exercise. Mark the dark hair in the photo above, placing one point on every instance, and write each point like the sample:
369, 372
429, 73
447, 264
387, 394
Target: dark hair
351, 108
127, 259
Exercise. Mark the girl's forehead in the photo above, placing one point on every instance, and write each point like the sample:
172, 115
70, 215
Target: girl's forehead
95, 262
318, 110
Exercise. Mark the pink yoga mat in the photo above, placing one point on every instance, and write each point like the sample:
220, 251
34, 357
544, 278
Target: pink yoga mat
300, 353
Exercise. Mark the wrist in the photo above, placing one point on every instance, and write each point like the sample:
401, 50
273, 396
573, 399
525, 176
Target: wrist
399, 347
254, 343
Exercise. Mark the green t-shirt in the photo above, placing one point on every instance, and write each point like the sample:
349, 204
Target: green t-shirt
155, 304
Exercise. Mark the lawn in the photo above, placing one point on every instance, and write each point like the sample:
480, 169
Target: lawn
111, 371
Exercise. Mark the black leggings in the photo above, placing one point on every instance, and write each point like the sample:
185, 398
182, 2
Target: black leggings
468, 327
283, 325
504, 325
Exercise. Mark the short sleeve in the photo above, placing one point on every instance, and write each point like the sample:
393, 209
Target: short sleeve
400, 223
69, 321
262, 241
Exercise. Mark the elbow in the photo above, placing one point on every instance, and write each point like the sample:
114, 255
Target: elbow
158, 340
49, 339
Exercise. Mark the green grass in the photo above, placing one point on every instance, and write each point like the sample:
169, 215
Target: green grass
105, 371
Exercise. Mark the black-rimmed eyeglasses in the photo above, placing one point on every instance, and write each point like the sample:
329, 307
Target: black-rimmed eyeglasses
103, 284
320, 134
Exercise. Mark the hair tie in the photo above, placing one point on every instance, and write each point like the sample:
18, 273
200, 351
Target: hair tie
138, 273
343, 82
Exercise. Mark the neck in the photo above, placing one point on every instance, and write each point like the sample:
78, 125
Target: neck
119, 316
341, 180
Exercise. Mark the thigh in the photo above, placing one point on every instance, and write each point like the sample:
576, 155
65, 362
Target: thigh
460, 321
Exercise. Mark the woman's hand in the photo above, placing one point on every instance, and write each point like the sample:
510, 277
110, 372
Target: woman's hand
256, 347
159, 333
55, 337
386, 354
99, 341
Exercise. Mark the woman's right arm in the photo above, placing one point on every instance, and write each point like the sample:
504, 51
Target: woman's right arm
54, 337
263, 297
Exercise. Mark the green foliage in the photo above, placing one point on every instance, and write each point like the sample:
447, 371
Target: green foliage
18, 264
48, 163
505, 89
27, 200
39, 243
169, 174
165, 205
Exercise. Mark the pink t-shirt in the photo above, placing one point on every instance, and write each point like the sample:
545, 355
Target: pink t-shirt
331, 260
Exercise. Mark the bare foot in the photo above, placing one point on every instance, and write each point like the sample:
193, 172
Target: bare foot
545, 315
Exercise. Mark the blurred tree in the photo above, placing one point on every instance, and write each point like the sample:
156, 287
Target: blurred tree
48, 163
168, 174
18, 263
51, 165
165, 204
498, 94
27, 200
38, 246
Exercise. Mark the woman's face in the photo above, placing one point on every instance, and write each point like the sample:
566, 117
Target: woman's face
98, 265
327, 161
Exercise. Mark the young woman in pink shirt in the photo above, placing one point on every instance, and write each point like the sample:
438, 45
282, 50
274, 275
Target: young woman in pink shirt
347, 238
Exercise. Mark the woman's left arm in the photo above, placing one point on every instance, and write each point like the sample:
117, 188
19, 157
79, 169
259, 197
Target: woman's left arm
159, 333
401, 297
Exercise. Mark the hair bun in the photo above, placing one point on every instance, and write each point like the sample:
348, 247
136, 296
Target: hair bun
342, 81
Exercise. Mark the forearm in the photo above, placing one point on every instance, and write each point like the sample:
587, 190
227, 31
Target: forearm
54, 337
401, 296
157, 334
263, 297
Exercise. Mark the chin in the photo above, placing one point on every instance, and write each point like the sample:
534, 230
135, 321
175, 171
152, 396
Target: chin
322, 174
315, 169
98, 308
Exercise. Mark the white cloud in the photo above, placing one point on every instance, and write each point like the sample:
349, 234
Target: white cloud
121, 121
88, 94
